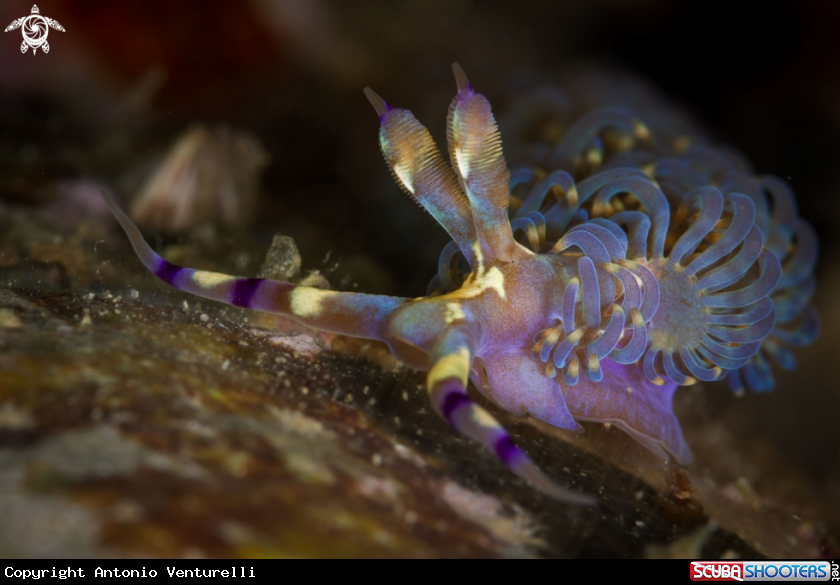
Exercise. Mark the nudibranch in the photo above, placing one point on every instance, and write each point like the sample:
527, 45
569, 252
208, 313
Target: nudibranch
620, 275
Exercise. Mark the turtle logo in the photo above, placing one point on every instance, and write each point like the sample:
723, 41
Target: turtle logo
35, 29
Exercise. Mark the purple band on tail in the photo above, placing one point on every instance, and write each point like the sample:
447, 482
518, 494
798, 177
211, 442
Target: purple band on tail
167, 272
506, 449
243, 291
451, 402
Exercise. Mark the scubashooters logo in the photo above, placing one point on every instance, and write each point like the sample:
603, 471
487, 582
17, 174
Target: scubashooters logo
763, 571
35, 30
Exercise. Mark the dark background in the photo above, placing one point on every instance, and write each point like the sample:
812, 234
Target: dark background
128, 77
292, 72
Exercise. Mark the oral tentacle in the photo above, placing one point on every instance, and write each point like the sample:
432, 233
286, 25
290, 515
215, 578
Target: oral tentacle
449, 368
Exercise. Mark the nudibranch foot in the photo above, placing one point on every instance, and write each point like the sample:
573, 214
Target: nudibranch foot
627, 399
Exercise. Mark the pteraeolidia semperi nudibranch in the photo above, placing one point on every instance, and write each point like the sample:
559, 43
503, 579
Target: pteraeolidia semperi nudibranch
657, 270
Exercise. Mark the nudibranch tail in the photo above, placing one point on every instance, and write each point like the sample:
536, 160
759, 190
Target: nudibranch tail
420, 170
354, 314
475, 150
